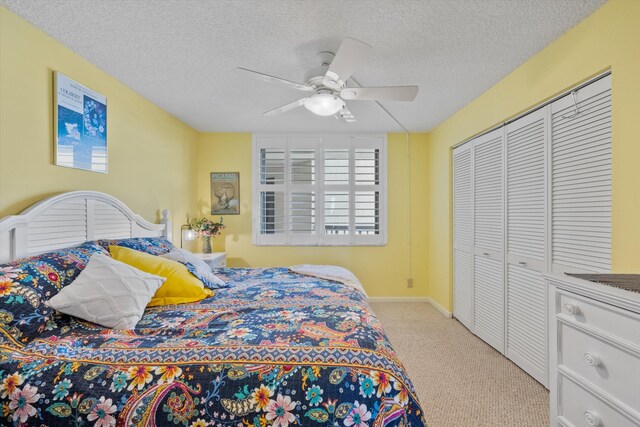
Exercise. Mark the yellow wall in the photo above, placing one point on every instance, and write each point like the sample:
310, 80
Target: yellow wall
382, 270
610, 38
150, 151
157, 161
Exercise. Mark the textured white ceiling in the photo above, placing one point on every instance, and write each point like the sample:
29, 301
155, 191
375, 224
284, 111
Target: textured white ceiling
181, 55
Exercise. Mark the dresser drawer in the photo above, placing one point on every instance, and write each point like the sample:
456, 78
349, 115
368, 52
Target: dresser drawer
580, 408
609, 367
610, 319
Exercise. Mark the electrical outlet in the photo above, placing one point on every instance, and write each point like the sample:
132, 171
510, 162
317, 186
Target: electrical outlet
409, 283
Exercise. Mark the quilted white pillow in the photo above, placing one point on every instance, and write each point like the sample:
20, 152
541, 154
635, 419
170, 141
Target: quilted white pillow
197, 267
108, 292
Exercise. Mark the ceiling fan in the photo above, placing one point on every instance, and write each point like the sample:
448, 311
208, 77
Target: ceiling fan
328, 84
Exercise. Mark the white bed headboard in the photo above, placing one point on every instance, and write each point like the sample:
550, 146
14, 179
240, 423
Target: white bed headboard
72, 218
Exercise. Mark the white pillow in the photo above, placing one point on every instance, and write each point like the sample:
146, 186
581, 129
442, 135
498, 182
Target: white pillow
197, 267
108, 292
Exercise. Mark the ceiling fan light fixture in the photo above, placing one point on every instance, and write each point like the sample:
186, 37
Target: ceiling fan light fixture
324, 104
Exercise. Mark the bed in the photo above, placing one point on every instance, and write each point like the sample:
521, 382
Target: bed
275, 348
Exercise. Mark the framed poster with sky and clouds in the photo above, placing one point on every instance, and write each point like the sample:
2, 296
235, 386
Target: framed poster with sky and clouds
80, 126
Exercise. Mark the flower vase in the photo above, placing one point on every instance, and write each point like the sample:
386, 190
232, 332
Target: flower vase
206, 244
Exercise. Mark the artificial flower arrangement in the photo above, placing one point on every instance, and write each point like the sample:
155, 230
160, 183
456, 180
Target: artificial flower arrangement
207, 229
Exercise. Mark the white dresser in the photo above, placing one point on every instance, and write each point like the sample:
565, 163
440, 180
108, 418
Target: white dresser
594, 332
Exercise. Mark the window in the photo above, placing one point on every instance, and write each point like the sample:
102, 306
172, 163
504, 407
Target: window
319, 189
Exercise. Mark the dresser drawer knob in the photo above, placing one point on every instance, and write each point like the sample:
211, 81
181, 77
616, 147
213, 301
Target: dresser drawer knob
592, 360
592, 419
571, 309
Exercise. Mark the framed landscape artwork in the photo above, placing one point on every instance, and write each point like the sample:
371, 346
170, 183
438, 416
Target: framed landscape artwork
80, 126
225, 193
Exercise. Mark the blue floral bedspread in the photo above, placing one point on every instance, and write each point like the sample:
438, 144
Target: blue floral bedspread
275, 349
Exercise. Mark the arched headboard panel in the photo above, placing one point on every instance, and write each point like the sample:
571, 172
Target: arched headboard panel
71, 218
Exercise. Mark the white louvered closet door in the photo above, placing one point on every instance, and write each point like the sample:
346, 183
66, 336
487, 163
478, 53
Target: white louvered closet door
581, 180
531, 198
488, 232
463, 235
526, 225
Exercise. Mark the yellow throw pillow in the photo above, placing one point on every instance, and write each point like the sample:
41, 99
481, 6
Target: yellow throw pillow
181, 286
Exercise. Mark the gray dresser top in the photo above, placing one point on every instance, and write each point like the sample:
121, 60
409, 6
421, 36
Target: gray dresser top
628, 282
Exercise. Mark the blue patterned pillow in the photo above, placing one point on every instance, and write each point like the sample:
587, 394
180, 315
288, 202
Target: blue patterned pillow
25, 284
197, 267
149, 245
207, 278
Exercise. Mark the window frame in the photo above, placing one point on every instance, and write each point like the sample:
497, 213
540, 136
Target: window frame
320, 142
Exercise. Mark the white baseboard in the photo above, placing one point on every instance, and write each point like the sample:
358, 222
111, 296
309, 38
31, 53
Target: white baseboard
438, 307
399, 299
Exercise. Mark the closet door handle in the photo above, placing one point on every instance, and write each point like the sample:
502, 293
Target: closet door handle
485, 253
522, 263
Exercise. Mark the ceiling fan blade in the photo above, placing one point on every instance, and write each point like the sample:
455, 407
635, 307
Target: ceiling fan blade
349, 57
273, 79
285, 108
384, 93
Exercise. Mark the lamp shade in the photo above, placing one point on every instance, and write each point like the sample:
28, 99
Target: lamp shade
188, 234
324, 104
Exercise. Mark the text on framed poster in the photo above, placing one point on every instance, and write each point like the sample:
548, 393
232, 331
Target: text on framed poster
225, 193
80, 126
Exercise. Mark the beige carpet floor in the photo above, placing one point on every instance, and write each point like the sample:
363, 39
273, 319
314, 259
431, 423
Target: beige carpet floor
460, 380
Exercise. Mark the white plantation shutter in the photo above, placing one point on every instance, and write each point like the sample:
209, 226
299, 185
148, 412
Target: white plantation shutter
302, 166
367, 212
302, 180
488, 238
463, 235
320, 189
272, 216
366, 194
526, 225
272, 166
272, 200
337, 167
581, 180
336, 212
367, 166
303, 209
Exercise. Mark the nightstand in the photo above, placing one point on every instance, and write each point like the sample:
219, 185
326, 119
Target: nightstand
215, 259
